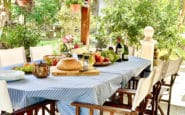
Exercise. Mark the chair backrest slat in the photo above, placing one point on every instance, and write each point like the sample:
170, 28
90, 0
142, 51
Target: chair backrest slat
12, 56
158, 72
144, 87
172, 67
38, 52
5, 103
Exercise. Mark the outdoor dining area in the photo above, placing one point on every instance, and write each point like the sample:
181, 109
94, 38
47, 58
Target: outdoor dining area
84, 78
111, 88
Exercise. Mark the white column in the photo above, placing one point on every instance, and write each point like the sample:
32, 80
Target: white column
148, 45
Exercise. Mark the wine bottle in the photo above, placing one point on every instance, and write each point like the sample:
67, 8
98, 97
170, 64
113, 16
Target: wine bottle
125, 54
119, 49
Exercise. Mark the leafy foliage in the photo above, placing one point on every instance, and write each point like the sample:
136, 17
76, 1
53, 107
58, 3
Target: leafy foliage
43, 12
68, 2
19, 35
129, 18
70, 22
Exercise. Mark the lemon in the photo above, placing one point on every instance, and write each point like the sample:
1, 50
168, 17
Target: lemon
91, 60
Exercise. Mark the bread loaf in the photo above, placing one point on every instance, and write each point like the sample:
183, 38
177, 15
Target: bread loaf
69, 64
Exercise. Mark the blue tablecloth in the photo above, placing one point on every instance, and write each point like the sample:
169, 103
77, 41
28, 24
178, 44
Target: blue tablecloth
91, 89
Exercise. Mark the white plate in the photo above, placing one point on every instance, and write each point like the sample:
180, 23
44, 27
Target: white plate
11, 75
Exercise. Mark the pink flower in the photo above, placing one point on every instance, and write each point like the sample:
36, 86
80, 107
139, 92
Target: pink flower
64, 40
68, 39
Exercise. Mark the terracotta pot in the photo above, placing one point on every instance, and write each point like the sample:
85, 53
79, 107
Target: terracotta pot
75, 7
23, 3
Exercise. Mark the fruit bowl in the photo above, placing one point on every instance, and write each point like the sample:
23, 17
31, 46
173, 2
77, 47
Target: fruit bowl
102, 63
27, 68
52, 60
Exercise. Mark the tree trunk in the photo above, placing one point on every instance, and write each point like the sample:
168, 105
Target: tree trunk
182, 15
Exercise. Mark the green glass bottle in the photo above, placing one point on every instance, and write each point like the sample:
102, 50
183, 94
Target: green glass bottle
125, 54
119, 49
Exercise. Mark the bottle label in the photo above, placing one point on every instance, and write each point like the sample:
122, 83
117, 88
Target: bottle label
126, 56
85, 65
119, 50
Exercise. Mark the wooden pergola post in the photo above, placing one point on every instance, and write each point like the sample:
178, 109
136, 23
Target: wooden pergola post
85, 23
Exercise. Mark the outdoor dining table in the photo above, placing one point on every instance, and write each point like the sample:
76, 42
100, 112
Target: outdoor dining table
66, 89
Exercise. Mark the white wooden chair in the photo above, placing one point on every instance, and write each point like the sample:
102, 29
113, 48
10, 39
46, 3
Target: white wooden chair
6, 105
144, 88
159, 72
12, 56
38, 52
168, 79
152, 99
156, 84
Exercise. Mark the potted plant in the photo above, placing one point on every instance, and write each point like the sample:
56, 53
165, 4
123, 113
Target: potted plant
23, 3
74, 5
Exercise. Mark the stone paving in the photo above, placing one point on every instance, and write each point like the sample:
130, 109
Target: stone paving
178, 91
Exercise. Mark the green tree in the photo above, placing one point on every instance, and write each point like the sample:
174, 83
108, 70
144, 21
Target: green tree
69, 2
70, 22
42, 12
129, 18
16, 35
19, 35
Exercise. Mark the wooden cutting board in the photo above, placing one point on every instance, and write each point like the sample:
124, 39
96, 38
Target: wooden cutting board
57, 72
